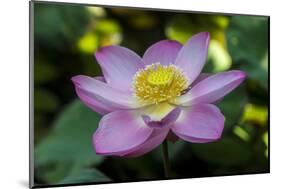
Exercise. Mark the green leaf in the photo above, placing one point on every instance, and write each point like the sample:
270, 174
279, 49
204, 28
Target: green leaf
57, 26
247, 37
247, 40
226, 152
232, 106
69, 145
85, 176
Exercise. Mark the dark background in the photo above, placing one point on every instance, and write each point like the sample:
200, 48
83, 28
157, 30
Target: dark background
65, 39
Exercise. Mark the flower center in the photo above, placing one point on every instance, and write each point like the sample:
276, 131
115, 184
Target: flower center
157, 83
160, 76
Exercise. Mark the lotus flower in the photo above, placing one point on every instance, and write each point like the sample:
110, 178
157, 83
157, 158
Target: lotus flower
161, 95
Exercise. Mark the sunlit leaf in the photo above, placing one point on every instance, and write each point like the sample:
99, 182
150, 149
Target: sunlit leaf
265, 140
180, 29
69, 146
111, 39
96, 11
256, 114
109, 32
88, 43
221, 21
241, 133
107, 26
218, 56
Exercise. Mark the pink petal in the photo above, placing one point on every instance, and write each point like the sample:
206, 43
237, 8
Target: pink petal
163, 52
94, 103
100, 78
201, 123
192, 56
166, 121
118, 65
212, 88
119, 132
154, 140
160, 132
101, 97
201, 77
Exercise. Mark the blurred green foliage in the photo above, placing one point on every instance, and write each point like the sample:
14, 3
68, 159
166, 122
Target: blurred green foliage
85, 176
65, 39
182, 27
248, 45
71, 135
232, 107
226, 152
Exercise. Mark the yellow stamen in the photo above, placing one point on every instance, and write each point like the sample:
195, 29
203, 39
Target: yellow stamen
157, 83
160, 76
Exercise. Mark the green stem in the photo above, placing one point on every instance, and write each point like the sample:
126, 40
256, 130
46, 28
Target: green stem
165, 156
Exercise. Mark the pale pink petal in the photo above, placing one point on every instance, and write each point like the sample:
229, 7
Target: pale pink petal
160, 132
201, 77
118, 65
163, 52
120, 132
101, 97
155, 139
100, 78
166, 121
93, 103
212, 88
200, 123
192, 56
